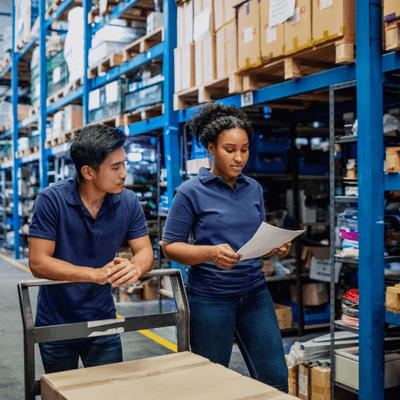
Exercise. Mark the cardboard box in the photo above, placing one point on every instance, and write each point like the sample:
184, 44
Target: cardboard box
298, 35
320, 253
249, 54
304, 387
224, 12
226, 44
205, 60
314, 294
293, 380
185, 23
193, 166
154, 21
72, 117
337, 20
391, 9
203, 18
272, 40
284, 315
174, 376
320, 383
150, 289
185, 70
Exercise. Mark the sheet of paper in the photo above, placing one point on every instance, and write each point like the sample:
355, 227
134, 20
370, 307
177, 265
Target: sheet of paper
280, 11
266, 238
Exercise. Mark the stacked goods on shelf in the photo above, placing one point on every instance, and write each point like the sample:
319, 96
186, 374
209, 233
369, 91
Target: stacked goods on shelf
57, 72
26, 13
4, 115
184, 54
112, 39
226, 38
74, 44
391, 17
106, 101
5, 44
348, 232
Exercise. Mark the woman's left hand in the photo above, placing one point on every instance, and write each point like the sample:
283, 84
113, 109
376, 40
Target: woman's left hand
282, 251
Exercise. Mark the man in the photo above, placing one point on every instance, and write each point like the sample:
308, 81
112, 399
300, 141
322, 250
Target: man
77, 226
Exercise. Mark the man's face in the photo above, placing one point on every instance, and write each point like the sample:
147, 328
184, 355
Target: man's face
111, 174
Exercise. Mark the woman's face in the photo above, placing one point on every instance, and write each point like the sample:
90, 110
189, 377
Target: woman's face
230, 155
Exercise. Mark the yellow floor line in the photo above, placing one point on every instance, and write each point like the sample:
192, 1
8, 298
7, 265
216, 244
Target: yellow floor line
146, 333
17, 264
157, 339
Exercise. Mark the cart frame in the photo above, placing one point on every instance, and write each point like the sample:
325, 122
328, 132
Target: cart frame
32, 334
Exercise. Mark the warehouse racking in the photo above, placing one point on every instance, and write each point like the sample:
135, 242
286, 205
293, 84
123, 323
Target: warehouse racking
368, 74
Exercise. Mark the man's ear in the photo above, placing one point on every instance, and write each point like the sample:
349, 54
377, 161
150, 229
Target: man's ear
211, 148
87, 172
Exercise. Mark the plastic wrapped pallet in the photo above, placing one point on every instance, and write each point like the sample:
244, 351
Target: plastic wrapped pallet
26, 13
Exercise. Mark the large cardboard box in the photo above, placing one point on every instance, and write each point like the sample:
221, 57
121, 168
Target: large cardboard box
176, 376
185, 69
391, 9
205, 59
314, 294
284, 315
293, 380
203, 18
72, 117
224, 12
226, 42
193, 166
185, 23
318, 252
249, 54
298, 35
335, 19
272, 39
320, 383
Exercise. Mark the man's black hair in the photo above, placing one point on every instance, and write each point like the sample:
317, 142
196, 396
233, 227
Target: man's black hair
93, 144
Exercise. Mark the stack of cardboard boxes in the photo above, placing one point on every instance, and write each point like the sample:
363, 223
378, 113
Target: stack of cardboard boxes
391, 17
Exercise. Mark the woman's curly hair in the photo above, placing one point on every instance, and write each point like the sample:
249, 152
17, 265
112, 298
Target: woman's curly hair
211, 119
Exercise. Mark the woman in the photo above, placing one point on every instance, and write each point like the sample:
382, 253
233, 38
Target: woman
223, 209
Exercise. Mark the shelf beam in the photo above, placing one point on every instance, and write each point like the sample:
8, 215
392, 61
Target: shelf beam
371, 203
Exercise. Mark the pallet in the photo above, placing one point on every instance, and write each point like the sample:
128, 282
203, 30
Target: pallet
392, 35
137, 13
143, 114
143, 44
69, 88
214, 90
64, 138
105, 65
26, 152
114, 122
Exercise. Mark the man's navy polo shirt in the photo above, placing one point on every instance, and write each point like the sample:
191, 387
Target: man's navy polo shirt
215, 213
59, 215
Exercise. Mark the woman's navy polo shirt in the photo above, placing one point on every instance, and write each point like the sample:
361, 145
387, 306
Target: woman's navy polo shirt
215, 213
59, 215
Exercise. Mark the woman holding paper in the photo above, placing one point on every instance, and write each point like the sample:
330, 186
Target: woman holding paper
223, 209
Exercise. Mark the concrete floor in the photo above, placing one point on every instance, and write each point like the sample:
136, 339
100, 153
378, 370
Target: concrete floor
135, 344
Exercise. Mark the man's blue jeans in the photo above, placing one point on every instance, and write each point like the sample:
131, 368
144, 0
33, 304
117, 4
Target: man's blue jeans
64, 355
251, 319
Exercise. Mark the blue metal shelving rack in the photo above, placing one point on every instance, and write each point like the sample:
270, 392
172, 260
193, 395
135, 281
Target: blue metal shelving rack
368, 72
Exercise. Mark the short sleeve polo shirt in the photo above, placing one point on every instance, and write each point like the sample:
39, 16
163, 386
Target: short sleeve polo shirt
59, 215
215, 213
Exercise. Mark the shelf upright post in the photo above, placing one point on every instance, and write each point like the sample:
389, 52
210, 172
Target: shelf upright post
87, 83
371, 200
14, 84
171, 124
43, 158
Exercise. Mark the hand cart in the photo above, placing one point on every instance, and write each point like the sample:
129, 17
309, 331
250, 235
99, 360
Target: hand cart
32, 335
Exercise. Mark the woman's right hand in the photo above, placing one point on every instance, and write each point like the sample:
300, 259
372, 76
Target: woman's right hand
223, 256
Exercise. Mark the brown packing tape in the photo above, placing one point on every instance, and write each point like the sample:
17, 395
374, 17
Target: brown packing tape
226, 24
297, 48
248, 65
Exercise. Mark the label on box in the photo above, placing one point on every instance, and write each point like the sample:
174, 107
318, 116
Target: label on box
303, 381
201, 25
248, 35
280, 11
271, 34
325, 4
57, 75
112, 92
295, 19
94, 99
246, 99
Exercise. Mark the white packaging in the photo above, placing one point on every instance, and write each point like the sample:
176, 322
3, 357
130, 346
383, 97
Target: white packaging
155, 20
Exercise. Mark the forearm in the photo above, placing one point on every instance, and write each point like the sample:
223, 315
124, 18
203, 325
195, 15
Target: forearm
143, 260
47, 267
186, 254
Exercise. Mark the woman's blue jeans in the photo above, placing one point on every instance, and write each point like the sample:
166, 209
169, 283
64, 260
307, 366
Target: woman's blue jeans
251, 319
64, 355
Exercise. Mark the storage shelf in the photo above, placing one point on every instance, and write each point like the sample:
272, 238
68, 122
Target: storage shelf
340, 325
348, 388
346, 199
392, 318
60, 9
69, 98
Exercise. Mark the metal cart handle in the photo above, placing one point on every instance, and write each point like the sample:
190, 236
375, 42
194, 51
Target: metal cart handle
32, 335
